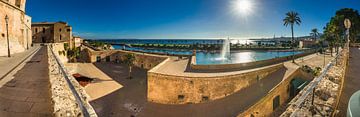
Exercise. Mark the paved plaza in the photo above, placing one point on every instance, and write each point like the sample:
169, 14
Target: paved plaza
131, 98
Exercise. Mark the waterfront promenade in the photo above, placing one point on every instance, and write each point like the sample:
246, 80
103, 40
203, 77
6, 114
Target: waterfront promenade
25, 91
351, 81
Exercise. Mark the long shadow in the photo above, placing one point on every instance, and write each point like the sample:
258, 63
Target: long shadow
128, 99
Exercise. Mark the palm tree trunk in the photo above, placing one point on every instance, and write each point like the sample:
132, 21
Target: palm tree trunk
293, 42
130, 68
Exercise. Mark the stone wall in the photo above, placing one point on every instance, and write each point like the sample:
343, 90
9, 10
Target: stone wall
248, 65
172, 89
63, 89
142, 60
19, 27
59, 49
264, 107
327, 92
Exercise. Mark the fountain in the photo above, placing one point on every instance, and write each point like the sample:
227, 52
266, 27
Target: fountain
225, 52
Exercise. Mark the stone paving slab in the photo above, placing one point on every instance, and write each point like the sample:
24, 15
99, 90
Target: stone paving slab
27, 94
6, 64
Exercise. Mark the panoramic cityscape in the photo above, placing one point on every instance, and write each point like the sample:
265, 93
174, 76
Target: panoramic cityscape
179, 58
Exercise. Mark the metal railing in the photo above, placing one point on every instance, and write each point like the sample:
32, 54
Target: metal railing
75, 93
310, 89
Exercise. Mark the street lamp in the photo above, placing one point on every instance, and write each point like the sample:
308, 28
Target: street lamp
7, 33
347, 24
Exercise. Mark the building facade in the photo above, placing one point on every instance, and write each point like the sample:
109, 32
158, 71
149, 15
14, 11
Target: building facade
19, 27
51, 32
76, 42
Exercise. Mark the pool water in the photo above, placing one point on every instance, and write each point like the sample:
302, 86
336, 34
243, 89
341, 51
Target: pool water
208, 58
239, 57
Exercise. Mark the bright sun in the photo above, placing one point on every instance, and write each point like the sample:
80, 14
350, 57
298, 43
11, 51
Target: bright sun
243, 7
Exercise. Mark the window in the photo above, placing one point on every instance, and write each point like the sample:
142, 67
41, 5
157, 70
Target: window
98, 59
43, 30
68, 30
107, 58
36, 30
60, 30
181, 97
60, 37
276, 102
18, 3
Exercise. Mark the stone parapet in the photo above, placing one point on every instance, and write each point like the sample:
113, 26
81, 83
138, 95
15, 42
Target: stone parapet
173, 89
68, 97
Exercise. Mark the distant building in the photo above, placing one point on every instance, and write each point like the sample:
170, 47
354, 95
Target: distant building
76, 42
307, 43
19, 27
51, 32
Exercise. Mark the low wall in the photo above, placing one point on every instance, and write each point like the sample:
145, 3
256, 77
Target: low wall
68, 97
172, 89
142, 60
326, 90
264, 107
249, 65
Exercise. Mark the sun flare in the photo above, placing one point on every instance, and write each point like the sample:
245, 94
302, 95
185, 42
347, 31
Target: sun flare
243, 7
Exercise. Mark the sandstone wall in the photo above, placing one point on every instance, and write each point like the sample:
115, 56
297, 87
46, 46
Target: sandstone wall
248, 65
59, 49
142, 60
172, 89
264, 107
19, 27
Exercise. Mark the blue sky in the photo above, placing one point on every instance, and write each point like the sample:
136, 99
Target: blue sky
183, 19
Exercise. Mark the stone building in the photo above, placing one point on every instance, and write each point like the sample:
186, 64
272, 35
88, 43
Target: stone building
75, 42
51, 32
19, 27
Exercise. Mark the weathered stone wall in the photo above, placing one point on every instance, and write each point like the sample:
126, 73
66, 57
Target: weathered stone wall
327, 92
63, 97
19, 27
248, 65
264, 107
142, 60
172, 89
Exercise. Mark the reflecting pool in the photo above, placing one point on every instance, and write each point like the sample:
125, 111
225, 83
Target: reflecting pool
207, 58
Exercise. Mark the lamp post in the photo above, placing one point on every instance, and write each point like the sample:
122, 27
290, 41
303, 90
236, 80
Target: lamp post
7, 33
347, 24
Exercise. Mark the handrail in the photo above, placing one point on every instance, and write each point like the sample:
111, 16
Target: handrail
300, 101
71, 86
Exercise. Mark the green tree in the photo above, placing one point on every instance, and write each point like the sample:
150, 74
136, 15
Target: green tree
291, 19
73, 54
129, 60
354, 17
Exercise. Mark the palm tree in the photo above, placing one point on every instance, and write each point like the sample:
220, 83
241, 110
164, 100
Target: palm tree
291, 19
314, 33
129, 60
